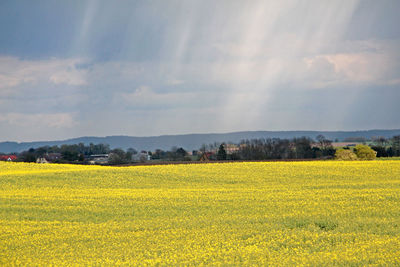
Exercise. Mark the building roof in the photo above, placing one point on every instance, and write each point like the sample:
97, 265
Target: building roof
8, 157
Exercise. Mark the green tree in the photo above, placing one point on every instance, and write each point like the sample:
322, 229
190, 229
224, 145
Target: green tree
28, 156
345, 154
117, 156
303, 148
181, 153
221, 154
396, 145
365, 152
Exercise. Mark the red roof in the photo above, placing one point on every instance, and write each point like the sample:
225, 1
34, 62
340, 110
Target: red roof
8, 157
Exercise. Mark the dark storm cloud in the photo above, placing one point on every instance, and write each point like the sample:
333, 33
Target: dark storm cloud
146, 68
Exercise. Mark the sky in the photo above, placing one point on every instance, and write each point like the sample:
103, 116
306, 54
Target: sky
144, 68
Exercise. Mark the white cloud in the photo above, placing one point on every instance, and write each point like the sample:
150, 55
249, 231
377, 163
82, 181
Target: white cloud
371, 68
173, 81
144, 97
39, 120
319, 64
8, 81
73, 77
16, 72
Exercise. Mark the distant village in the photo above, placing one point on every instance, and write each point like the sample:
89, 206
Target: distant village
255, 149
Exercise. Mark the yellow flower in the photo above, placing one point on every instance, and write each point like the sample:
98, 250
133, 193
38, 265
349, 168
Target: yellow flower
253, 213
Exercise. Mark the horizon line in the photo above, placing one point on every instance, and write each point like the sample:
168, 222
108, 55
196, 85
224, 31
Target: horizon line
209, 133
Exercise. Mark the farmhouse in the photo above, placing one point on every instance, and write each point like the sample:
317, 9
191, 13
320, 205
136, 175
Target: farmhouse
98, 159
205, 156
8, 157
142, 156
231, 148
342, 144
42, 160
49, 157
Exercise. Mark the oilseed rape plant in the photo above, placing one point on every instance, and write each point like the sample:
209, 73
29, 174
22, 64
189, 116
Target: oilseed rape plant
260, 213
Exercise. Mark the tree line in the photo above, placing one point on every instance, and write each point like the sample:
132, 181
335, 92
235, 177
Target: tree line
69, 153
253, 149
276, 148
386, 147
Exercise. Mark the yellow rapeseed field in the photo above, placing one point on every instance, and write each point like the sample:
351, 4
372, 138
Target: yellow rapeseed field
277, 213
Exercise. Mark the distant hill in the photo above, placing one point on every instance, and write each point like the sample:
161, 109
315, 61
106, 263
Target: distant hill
192, 141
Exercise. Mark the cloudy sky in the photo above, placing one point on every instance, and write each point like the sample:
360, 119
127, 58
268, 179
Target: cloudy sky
77, 68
